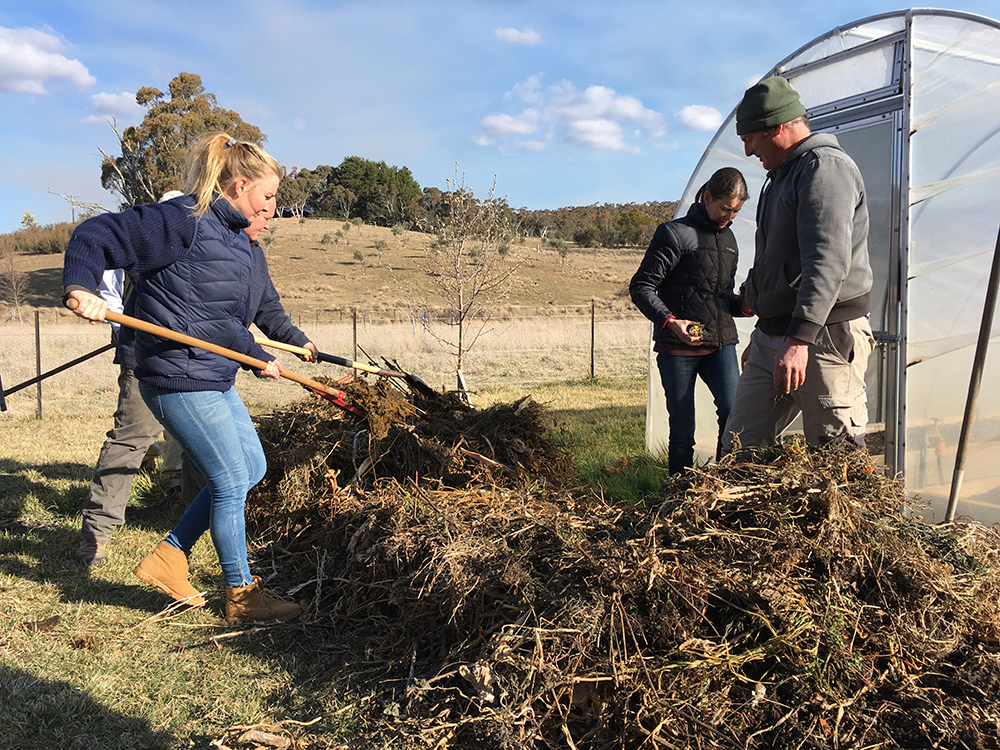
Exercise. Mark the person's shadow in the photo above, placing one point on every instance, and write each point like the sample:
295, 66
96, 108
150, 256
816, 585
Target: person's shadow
34, 712
44, 553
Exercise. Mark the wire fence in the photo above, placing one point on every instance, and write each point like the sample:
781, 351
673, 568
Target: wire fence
512, 348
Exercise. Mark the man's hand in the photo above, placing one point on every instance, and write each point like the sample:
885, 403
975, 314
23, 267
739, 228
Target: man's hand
88, 306
790, 365
313, 352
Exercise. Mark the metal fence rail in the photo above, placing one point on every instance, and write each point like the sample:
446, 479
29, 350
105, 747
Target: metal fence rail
511, 349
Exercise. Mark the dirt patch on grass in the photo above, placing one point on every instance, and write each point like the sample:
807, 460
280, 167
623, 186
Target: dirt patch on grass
777, 601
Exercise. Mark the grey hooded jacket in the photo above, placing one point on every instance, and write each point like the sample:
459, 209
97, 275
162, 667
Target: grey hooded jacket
811, 264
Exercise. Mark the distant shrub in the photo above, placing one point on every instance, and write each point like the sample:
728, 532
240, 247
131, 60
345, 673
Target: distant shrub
327, 238
37, 240
380, 247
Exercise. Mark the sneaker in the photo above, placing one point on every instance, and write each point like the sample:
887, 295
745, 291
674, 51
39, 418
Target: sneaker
90, 553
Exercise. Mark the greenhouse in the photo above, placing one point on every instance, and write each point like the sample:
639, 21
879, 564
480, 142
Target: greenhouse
914, 97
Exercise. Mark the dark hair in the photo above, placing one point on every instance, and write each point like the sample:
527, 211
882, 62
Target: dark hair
727, 182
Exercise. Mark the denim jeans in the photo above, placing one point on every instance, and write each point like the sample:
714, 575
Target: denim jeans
218, 436
721, 372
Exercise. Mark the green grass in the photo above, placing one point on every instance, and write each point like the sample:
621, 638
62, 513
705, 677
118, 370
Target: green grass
603, 422
112, 673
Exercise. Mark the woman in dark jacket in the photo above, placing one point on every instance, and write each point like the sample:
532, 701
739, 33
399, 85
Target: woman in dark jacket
685, 286
193, 270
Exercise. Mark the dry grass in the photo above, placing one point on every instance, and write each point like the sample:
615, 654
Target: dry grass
105, 675
520, 352
312, 276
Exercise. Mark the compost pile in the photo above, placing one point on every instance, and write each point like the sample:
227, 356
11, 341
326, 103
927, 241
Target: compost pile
775, 601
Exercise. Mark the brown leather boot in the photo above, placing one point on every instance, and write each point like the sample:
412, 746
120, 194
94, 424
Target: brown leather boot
166, 567
254, 603
90, 552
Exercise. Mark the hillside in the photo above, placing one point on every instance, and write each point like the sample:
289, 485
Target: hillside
312, 275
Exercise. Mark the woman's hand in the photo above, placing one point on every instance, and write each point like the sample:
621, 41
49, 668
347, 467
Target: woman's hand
680, 330
273, 370
88, 306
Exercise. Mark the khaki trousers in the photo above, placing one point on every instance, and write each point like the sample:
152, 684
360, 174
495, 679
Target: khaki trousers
833, 401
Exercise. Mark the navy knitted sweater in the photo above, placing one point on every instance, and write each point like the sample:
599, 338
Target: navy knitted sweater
195, 276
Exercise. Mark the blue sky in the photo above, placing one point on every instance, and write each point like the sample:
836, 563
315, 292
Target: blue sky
566, 103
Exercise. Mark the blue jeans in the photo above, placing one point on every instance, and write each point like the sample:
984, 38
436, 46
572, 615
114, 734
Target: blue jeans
721, 372
217, 434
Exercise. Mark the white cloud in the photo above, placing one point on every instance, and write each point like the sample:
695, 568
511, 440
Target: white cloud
30, 57
529, 91
298, 125
592, 119
700, 117
528, 37
531, 145
596, 135
119, 107
496, 127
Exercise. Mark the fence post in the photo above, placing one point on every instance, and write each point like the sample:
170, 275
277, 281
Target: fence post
354, 324
593, 330
38, 363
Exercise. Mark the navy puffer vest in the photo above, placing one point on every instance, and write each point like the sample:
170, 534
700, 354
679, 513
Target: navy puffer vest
204, 294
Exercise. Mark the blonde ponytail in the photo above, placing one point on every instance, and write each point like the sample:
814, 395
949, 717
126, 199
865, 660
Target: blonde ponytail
217, 160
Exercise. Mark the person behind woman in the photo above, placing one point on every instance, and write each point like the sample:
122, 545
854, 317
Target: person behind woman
685, 286
191, 262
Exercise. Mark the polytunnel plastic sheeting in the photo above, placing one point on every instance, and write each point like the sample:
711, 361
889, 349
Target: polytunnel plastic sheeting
954, 219
844, 39
937, 76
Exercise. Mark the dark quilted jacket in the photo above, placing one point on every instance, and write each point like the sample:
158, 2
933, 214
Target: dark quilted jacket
689, 272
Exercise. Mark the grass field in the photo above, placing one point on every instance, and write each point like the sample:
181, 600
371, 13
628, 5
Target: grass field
312, 275
111, 672
88, 659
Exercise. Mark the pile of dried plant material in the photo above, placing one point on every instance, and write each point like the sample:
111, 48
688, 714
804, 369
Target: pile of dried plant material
778, 600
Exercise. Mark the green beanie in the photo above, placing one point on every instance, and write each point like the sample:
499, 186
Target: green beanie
771, 102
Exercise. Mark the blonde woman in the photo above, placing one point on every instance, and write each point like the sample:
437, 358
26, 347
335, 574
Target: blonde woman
192, 266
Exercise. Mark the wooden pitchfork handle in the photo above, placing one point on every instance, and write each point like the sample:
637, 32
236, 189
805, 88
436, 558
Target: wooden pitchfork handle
181, 338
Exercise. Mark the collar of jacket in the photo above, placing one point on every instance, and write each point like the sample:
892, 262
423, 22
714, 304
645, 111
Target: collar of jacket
228, 215
698, 216
809, 143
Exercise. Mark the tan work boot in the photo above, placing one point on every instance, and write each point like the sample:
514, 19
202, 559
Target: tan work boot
166, 568
254, 603
89, 552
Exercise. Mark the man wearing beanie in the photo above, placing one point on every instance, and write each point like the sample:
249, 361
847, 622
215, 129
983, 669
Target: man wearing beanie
810, 282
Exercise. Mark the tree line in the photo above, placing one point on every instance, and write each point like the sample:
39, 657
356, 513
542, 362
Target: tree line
153, 154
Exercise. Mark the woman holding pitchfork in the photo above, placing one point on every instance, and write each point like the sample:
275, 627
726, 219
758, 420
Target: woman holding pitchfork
191, 263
